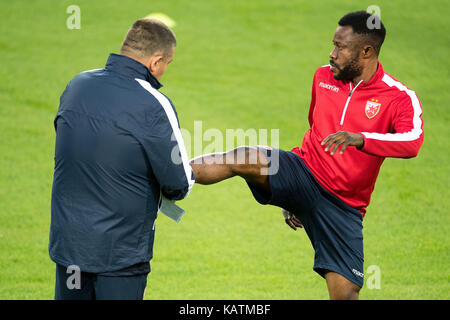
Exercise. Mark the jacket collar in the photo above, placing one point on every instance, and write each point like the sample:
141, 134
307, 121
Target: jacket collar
131, 68
375, 78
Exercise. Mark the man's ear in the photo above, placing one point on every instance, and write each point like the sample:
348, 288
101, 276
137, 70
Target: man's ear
153, 62
368, 51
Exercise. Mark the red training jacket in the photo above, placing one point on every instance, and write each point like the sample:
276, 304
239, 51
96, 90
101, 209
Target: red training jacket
383, 110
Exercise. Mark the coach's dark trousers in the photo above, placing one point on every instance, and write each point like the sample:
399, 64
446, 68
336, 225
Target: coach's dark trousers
93, 286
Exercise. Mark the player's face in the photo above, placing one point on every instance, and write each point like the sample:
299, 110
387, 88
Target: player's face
344, 59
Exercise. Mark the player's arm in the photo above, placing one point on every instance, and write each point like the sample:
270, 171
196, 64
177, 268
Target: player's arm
313, 100
404, 142
407, 136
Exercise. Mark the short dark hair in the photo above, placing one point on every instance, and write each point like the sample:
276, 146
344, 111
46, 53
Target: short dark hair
367, 25
148, 37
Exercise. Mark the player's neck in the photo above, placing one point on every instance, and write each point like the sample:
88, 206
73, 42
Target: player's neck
368, 72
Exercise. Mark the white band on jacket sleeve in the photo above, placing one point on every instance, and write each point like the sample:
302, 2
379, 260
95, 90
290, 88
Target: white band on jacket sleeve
416, 131
176, 130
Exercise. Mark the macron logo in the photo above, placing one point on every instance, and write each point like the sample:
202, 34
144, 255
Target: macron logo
329, 87
359, 274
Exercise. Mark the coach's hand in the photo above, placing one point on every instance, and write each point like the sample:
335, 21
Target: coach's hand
291, 220
343, 138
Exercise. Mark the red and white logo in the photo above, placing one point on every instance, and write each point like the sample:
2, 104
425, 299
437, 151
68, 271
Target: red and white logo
372, 108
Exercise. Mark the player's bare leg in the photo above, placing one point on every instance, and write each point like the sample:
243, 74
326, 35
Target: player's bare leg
341, 288
246, 162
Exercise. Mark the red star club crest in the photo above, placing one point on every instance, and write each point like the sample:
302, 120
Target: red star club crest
372, 108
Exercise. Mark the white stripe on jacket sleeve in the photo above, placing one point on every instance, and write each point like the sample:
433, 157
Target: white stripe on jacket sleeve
176, 130
416, 131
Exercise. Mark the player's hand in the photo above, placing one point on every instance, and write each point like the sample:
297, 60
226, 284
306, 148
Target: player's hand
343, 138
291, 220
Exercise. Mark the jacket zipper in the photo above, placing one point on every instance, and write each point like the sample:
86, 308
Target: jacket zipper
348, 101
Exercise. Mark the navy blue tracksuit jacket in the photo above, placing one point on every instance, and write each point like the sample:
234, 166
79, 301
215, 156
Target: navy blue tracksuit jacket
118, 147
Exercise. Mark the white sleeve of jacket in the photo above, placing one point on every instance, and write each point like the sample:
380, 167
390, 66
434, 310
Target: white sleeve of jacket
167, 153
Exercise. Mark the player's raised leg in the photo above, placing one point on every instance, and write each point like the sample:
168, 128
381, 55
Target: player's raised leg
246, 162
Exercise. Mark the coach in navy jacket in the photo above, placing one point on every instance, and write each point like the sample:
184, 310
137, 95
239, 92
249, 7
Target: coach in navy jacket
118, 148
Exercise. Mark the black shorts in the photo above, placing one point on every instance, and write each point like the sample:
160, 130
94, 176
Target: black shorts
334, 228
92, 286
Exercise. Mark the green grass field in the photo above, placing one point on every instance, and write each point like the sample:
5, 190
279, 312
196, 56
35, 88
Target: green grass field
238, 64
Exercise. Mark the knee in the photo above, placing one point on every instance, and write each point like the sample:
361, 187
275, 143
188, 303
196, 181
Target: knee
341, 288
348, 293
246, 160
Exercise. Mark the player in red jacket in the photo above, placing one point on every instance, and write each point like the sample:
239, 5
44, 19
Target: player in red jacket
356, 107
